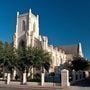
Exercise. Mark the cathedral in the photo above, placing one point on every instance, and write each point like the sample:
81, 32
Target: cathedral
27, 34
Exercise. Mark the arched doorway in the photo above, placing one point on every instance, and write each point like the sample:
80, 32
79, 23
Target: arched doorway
22, 44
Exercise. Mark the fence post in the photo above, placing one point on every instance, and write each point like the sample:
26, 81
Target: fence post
73, 76
42, 79
86, 74
14, 74
8, 78
65, 78
24, 78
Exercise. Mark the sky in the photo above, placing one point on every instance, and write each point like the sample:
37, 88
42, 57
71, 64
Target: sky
65, 22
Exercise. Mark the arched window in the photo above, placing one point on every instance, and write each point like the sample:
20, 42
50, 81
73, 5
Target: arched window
23, 25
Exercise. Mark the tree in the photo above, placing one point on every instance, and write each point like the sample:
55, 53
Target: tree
88, 67
9, 57
68, 65
21, 59
24, 61
21, 63
1, 57
42, 59
1, 52
79, 63
24, 58
30, 57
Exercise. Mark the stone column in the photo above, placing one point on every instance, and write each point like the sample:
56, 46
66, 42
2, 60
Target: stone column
42, 79
73, 76
65, 78
24, 78
86, 74
8, 78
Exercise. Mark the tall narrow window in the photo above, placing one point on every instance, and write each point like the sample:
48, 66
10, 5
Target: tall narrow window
34, 27
23, 25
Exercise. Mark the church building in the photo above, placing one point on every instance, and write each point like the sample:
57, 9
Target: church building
27, 34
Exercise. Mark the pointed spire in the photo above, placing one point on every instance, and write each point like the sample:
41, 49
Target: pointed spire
17, 22
30, 11
80, 49
38, 20
17, 14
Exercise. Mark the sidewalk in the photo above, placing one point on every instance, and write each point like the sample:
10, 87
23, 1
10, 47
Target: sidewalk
17, 85
28, 87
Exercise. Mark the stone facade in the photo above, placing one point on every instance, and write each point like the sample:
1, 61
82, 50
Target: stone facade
27, 33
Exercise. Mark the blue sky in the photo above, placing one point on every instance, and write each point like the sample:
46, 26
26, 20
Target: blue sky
65, 22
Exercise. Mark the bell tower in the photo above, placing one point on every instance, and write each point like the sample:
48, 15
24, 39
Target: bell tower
27, 29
